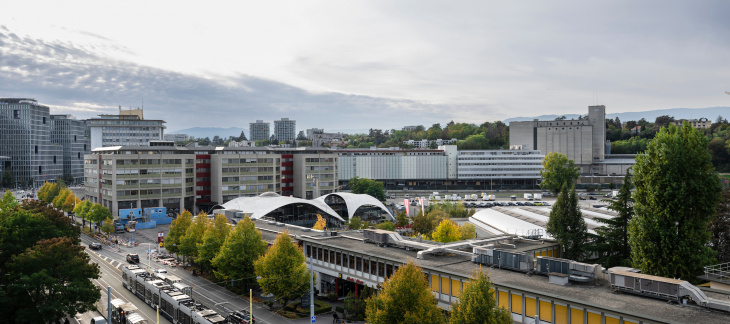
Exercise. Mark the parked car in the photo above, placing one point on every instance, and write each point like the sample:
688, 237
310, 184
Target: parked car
160, 271
132, 258
95, 246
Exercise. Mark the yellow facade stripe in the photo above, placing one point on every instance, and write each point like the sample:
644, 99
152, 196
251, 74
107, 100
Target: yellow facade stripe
561, 314
594, 318
435, 283
445, 285
546, 312
503, 299
576, 316
517, 304
530, 307
455, 287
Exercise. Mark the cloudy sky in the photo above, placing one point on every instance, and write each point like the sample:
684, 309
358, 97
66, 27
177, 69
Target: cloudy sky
342, 65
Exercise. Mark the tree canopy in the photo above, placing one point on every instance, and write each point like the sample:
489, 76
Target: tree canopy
321, 223
447, 231
477, 304
214, 237
368, 187
677, 191
8, 201
404, 298
178, 227
355, 223
241, 248
720, 228
611, 242
194, 236
566, 224
557, 170
282, 270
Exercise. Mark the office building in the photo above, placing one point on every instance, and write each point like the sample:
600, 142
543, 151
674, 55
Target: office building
312, 131
176, 137
258, 131
70, 134
327, 139
513, 166
127, 128
198, 178
424, 143
25, 137
285, 130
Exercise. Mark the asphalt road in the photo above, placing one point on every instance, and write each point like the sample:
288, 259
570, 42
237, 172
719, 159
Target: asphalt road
210, 294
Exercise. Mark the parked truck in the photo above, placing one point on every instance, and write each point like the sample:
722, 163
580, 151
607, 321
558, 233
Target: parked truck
537, 196
528, 196
489, 197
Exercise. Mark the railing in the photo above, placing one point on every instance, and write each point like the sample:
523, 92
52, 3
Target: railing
720, 271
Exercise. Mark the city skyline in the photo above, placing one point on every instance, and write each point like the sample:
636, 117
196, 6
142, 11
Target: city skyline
367, 64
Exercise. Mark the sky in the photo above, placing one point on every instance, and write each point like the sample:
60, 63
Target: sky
354, 65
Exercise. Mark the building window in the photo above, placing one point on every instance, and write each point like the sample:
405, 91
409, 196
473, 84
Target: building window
36, 149
40, 169
16, 114
54, 159
338, 260
374, 268
44, 120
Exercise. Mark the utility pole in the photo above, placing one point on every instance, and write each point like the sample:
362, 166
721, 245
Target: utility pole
109, 303
311, 291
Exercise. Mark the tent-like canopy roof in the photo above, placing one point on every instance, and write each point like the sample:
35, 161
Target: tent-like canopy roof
265, 203
355, 201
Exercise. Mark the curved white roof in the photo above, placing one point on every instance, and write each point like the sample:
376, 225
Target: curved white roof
355, 201
265, 203
505, 223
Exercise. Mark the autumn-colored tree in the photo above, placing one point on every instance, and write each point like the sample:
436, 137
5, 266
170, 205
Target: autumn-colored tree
81, 209
213, 239
321, 223
446, 232
178, 227
61, 198
194, 236
404, 298
108, 226
70, 202
241, 248
401, 219
477, 304
283, 270
467, 231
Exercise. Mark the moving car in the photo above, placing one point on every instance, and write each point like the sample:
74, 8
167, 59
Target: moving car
132, 258
95, 246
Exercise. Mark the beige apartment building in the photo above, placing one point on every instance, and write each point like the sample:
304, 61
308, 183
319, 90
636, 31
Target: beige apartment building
198, 178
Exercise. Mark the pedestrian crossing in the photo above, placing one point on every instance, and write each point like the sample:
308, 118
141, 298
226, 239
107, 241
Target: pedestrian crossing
115, 263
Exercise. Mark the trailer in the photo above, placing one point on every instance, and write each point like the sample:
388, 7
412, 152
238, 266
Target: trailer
537, 196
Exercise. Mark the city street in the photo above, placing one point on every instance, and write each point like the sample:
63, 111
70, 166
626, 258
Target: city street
216, 297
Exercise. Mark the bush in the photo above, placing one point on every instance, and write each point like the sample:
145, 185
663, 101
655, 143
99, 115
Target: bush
269, 303
339, 309
332, 297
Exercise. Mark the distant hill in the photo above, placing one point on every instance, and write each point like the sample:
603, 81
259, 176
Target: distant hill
203, 132
710, 113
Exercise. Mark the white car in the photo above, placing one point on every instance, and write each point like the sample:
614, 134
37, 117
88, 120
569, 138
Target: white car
160, 271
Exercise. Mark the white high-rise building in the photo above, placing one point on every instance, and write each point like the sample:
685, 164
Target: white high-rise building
285, 130
129, 128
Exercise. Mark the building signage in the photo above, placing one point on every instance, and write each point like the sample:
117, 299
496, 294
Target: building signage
357, 281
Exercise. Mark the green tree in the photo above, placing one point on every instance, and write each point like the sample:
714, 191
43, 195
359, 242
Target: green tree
108, 225
677, 191
405, 298
355, 223
368, 187
386, 225
43, 191
477, 304
241, 248
49, 281
178, 227
720, 228
213, 239
81, 209
557, 171
467, 231
8, 201
98, 213
446, 232
425, 224
194, 236
566, 224
283, 270
401, 219
611, 243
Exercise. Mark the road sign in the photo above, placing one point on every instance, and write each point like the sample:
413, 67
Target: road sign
314, 319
